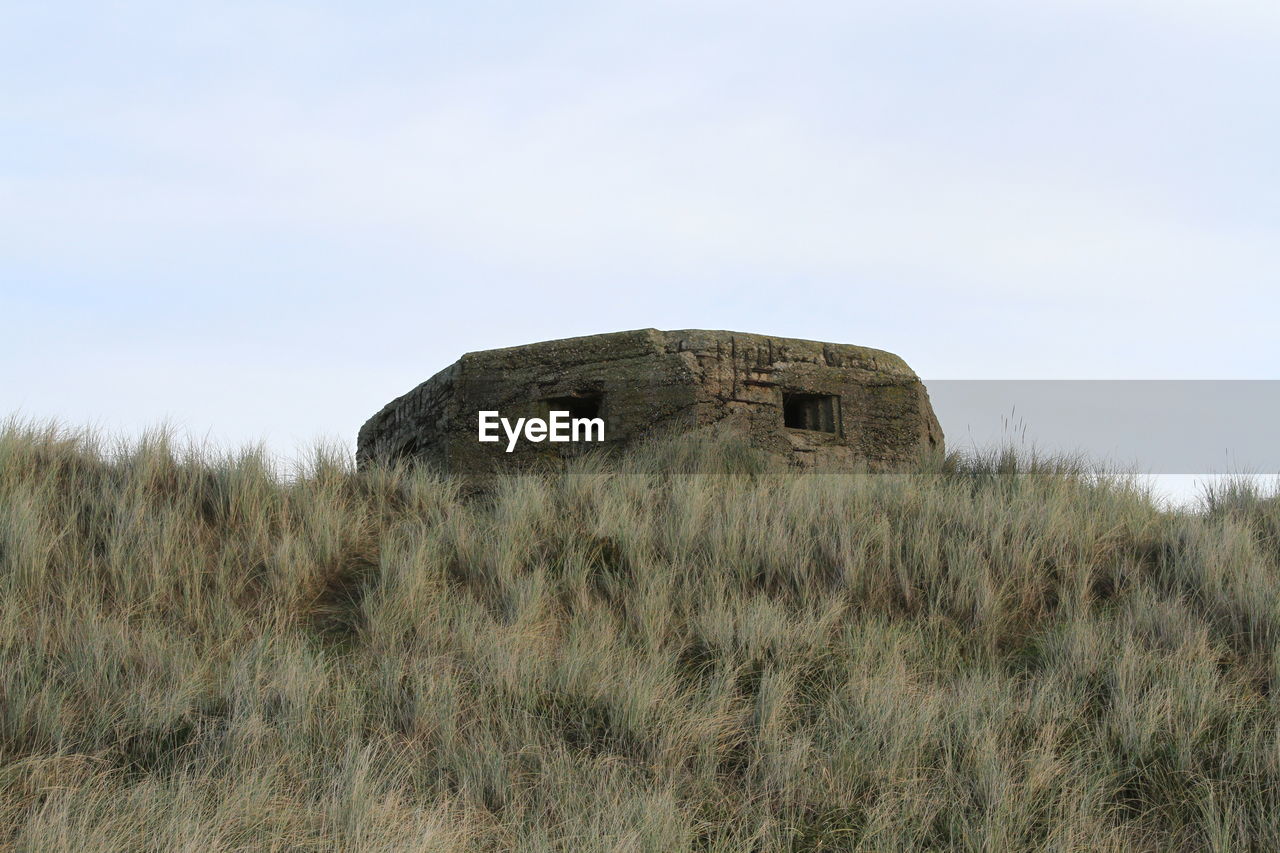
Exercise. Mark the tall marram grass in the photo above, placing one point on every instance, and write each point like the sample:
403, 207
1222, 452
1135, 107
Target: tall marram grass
680, 650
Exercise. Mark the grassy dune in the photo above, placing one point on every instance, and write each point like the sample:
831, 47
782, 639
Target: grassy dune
198, 655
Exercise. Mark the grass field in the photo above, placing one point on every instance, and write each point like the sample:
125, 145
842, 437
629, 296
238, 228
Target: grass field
681, 650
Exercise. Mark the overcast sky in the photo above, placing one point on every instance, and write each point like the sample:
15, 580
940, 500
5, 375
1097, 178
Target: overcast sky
262, 221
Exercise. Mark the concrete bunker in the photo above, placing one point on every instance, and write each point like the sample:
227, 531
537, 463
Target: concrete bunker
816, 404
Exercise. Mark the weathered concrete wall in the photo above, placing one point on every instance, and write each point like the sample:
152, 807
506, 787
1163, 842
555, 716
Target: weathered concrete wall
649, 379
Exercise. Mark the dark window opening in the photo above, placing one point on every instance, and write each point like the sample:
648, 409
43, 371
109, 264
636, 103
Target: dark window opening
583, 405
817, 412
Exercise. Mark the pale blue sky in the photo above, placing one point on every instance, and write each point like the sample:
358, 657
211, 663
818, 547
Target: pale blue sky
264, 220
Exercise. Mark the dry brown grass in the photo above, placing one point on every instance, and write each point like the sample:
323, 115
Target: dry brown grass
683, 650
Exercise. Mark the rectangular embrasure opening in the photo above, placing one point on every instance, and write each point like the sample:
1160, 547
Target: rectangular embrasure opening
817, 412
583, 405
